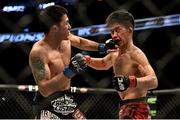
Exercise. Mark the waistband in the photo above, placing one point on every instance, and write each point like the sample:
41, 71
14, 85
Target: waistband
141, 99
39, 98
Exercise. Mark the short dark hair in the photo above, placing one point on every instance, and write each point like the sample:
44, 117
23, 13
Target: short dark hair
50, 16
122, 17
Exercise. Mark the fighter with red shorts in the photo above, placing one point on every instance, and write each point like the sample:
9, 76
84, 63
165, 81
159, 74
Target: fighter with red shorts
134, 75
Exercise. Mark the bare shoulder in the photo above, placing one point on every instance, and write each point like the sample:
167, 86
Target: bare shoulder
38, 50
139, 56
72, 37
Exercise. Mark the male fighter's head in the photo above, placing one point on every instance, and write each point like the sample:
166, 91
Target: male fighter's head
120, 24
54, 18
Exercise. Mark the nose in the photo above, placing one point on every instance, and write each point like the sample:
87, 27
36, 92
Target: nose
114, 35
69, 27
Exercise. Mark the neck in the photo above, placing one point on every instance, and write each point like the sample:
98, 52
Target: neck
53, 41
127, 47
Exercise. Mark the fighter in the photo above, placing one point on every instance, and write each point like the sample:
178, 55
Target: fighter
52, 66
133, 74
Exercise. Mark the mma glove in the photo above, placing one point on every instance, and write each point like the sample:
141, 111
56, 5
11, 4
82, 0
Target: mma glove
121, 82
77, 64
109, 44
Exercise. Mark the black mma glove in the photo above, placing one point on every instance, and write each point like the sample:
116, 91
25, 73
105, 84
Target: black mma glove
77, 64
121, 83
109, 44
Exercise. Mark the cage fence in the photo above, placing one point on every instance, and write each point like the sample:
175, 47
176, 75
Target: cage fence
16, 104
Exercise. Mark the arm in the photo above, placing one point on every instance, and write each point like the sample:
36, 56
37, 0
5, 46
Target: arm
101, 63
147, 81
42, 75
85, 44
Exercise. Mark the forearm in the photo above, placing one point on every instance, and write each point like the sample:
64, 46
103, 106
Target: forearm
98, 64
88, 44
83, 43
121, 82
147, 82
57, 83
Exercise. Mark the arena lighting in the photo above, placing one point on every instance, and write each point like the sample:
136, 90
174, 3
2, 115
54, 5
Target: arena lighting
21, 8
42, 6
94, 30
22, 37
17, 8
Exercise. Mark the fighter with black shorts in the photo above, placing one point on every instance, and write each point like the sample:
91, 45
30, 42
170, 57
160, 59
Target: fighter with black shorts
51, 62
57, 106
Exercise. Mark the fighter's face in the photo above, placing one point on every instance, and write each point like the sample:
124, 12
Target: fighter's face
119, 33
64, 27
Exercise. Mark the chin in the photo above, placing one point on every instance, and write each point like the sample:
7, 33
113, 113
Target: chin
66, 38
67, 34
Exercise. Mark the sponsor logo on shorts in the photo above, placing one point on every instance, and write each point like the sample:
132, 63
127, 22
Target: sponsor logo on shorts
64, 105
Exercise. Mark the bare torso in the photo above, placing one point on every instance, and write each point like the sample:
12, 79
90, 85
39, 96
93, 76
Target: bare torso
124, 64
56, 59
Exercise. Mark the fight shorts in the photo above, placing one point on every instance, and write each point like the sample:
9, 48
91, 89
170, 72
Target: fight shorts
56, 106
134, 109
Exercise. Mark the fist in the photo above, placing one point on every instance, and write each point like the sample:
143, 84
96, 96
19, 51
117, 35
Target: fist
78, 63
109, 44
121, 83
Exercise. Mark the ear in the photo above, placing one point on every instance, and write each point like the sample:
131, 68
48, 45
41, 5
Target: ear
130, 30
54, 28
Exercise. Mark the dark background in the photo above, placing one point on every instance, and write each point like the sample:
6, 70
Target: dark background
160, 45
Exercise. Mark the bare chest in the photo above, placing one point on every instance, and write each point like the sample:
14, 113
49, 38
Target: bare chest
57, 61
125, 65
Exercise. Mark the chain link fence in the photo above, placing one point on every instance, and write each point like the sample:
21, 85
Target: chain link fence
19, 105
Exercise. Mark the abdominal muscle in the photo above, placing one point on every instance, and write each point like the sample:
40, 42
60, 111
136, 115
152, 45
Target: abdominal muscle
132, 93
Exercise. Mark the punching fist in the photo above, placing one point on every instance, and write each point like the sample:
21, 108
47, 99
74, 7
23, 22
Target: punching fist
121, 83
109, 44
77, 64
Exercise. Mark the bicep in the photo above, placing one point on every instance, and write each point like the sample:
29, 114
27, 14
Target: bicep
147, 70
40, 69
144, 65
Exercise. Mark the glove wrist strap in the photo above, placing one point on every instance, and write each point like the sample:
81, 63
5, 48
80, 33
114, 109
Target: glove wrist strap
101, 48
88, 59
133, 81
68, 72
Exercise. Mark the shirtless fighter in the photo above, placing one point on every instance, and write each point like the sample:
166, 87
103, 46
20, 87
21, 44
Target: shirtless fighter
134, 75
52, 66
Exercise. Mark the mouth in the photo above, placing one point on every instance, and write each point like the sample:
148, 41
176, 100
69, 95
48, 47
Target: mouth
117, 42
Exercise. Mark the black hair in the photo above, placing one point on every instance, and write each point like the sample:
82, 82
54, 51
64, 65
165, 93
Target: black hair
122, 17
50, 16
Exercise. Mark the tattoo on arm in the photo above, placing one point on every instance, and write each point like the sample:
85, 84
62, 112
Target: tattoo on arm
39, 69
